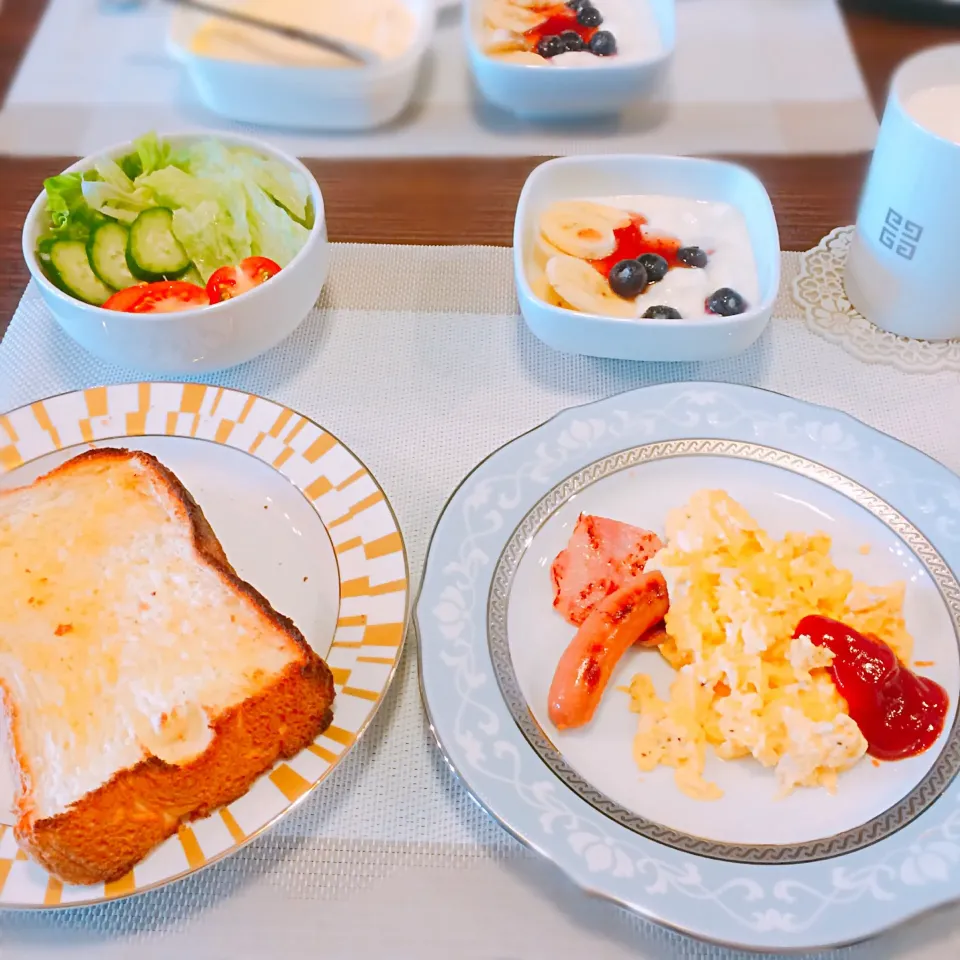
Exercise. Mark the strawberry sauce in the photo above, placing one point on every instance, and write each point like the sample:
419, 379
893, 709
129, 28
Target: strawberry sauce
633, 242
558, 20
899, 713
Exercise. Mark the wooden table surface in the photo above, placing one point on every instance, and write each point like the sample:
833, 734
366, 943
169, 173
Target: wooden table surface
409, 201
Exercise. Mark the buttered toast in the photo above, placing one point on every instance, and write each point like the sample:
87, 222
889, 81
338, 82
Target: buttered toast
145, 683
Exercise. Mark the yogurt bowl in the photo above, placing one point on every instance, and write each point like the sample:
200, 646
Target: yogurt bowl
207, 338
709, 227
294, 91
572, 83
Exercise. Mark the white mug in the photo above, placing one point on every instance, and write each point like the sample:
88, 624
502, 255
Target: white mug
903, 271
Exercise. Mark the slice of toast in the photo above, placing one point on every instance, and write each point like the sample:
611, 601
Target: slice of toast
145, 683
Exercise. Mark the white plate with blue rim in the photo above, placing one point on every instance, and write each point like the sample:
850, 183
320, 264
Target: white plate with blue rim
808, 871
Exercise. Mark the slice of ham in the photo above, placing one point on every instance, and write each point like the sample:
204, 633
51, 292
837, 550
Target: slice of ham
601, 557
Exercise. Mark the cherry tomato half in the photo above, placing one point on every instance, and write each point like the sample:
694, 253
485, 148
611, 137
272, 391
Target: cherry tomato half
168, 296
124, 299
228, 282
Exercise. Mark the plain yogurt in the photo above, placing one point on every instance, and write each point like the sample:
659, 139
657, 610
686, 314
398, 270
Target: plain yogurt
386, 27
719, 229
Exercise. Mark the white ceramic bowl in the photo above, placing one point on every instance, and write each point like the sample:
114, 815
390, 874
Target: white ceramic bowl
304, 98
584, 177
538, 91
201, 340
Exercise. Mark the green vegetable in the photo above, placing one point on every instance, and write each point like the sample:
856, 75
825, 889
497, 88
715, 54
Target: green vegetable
211, 236
70, 270
107, 253
153, 252
227, 203
274, 233
71, 218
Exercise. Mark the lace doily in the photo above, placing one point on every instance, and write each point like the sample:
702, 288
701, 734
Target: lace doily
819, 291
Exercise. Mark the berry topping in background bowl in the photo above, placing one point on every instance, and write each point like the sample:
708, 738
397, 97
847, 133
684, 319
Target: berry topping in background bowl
545, 28
603, 44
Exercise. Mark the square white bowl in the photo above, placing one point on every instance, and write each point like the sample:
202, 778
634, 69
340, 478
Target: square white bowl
712, 338
192, 341
537, 91
308, 98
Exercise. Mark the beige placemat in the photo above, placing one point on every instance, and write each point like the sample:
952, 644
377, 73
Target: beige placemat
749, 76
417, 359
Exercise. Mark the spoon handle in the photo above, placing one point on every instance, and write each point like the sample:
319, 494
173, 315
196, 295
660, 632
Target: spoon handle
356, 54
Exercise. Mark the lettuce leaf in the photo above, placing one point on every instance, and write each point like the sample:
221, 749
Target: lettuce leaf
211, 237
71, 217
228, 203
275, 234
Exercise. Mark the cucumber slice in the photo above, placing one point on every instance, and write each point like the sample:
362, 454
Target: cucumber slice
71, 271
107, 250
153, 252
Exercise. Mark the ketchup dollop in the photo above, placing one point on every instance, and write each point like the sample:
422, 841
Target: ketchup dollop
899, 713
633, 241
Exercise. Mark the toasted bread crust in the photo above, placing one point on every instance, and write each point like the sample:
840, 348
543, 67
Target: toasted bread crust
109, 830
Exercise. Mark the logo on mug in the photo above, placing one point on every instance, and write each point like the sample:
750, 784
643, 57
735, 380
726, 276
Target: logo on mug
900, 235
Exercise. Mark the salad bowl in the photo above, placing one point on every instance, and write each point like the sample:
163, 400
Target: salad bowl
212, 336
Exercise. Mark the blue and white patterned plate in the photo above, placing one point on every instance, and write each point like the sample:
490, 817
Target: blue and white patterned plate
809, 871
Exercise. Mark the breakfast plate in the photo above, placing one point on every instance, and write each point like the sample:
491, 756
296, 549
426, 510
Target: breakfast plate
300, 518
756, 867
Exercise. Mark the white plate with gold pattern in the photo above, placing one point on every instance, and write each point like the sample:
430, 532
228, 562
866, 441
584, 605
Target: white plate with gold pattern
299, 517
748, 869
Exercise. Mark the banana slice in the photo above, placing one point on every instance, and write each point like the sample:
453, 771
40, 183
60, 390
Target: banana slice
582, 229
516, 56
543, 250
585, 289
542, 289
504, 15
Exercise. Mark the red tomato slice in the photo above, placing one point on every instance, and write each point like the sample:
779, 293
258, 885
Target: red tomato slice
228, 282
168, 296
124, 299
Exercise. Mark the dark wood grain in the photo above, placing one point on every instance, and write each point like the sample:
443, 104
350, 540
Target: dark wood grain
410, 201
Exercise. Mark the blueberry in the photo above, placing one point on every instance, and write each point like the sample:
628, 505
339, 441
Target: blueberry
577, 4
589, 16
692, 256
661, 312
628, 279
550, 47
655, 266
603, 44
571, 40
726, 303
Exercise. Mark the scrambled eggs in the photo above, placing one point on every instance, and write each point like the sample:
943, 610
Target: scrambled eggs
743, 684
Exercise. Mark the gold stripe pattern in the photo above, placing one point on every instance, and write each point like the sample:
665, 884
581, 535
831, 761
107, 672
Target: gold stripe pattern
191, 847
289, 782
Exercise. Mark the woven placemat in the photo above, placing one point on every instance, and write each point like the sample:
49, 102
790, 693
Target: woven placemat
417, 359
